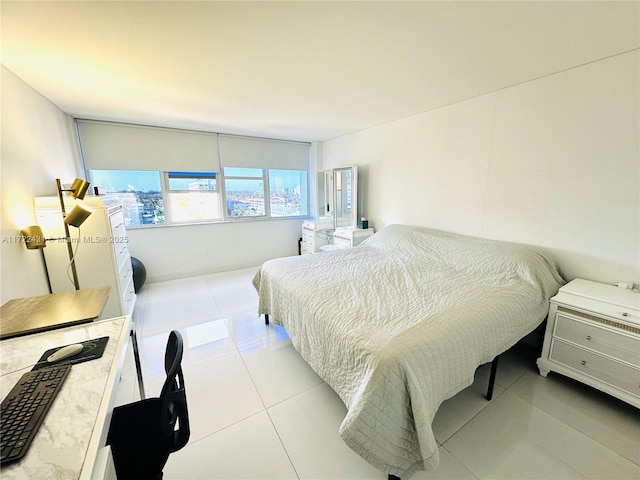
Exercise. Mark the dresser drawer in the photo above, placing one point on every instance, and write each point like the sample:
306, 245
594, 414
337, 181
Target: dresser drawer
342, 242
116, 220
121, 251
128, 297
606, 370
125, 273
616, 343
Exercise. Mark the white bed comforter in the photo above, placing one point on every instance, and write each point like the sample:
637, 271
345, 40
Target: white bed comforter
400, 323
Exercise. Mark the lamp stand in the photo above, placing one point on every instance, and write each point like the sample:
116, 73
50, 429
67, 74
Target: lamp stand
46, 269
67, 238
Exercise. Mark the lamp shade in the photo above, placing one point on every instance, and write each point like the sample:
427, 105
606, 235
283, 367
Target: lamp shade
33, 237
78, 215
79, 188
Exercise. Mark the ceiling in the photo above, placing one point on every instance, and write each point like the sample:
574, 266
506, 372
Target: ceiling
296, 70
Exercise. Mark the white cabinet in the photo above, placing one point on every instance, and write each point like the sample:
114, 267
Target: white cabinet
593, 335
315, 235
100, 246
347, 237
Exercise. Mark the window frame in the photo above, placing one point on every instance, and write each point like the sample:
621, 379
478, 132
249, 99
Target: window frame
166, 201
268, 179
267, 212
221, 191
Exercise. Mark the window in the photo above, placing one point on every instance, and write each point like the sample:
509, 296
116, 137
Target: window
164, 198
245, 192
264, 177
139, 191
187, 197
193, 197
288, 193
186, 176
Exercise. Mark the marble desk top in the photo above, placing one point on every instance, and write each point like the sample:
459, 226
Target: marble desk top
74, 429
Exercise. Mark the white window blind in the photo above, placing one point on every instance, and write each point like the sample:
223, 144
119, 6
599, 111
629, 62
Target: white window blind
250, 152
115, 146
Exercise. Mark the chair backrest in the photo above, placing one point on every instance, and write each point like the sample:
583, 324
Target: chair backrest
173, 397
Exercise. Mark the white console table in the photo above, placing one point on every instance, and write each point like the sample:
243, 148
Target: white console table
70, 443
593, 335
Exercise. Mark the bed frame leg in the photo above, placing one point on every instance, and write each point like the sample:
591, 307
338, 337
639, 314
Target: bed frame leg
266, 319
492, 377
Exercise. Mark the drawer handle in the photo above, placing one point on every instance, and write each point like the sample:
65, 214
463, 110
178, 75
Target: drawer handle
588, 337
583, 363
625, 314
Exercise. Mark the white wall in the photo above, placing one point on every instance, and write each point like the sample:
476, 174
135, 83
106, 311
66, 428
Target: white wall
181, 251
552, 162
38, 146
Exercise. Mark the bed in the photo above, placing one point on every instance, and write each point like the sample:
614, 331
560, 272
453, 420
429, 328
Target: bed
400, 323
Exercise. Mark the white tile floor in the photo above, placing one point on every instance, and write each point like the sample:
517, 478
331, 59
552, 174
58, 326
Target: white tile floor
257, 410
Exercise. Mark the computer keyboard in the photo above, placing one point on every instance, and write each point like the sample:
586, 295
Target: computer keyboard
24, 409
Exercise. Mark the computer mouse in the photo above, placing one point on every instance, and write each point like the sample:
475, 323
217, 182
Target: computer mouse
65, 352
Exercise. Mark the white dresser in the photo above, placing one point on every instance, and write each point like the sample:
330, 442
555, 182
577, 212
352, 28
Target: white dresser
347, 237
316, 234
593, 335
102, 256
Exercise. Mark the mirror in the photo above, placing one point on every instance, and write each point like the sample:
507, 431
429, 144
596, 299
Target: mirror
345, 194
324, 198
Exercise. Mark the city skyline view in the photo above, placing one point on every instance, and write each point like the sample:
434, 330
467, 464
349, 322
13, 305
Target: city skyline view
144, 201
150, 181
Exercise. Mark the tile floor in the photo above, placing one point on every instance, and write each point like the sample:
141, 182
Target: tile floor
257, 410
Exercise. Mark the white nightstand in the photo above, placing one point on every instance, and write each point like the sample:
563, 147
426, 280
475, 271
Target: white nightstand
593, 335
347, 237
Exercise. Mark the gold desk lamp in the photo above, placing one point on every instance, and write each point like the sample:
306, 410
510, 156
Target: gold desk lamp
34, 237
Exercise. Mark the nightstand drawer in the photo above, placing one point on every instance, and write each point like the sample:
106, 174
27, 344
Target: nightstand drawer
601, 368
629, 314
612, 343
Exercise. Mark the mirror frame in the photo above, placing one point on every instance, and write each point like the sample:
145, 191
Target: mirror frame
324, 194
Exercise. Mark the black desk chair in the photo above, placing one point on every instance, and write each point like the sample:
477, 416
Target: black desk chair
143, 434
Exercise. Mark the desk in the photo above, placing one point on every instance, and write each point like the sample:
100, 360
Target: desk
22, 316
70, 443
